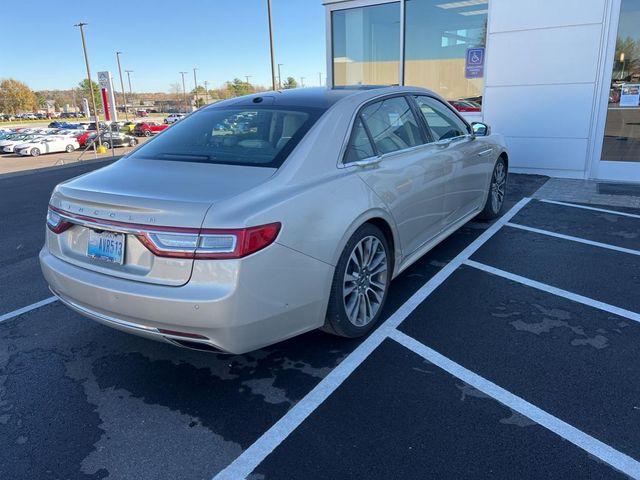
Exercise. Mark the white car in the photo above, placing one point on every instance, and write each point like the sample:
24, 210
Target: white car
48, 145
174, 117
8, 145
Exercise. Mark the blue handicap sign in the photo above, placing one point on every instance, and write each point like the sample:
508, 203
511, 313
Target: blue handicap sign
474, 63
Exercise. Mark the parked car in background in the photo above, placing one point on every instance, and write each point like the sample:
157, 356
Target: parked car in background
174, 117
102, 125
147, 129
299, 221
7, 145
86, 137
465, 106
51, 144
129, 126
142, 113
117, 139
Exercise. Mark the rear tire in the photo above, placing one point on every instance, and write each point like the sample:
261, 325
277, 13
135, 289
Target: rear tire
147, 133
133, 142
70, 148
497, 190
106, 145
360, 284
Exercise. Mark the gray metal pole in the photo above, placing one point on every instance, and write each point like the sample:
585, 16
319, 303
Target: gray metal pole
124, 95
195, 91
184, 92
320, 78
129, 72
279, 77
206, 92
273, 61
93, 98
301, 82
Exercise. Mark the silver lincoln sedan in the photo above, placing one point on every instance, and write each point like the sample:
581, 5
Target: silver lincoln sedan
262, 217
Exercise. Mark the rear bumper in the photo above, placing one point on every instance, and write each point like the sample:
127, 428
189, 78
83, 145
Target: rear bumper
236, 305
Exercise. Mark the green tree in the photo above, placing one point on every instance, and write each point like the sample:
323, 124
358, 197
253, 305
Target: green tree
41, 99
16, 96
85, 91
237, 87
290, 83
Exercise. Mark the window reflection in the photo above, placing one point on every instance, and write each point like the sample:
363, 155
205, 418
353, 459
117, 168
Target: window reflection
438, 38
622, 130
366, 45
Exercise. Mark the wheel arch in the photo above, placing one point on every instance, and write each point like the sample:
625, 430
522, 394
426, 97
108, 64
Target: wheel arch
382, 220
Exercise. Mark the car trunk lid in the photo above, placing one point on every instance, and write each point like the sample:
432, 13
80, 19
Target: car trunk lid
149, 194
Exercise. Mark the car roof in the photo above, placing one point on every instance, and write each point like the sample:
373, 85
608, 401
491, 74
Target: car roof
318, 97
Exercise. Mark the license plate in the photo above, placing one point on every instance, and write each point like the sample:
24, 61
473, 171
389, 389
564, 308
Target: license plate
108, 246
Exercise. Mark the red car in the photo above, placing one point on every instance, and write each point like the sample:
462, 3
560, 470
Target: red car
85, 137
147, 129
465, 106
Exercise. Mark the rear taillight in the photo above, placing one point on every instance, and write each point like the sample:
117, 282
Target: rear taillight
179, 242
56, 223
211, 244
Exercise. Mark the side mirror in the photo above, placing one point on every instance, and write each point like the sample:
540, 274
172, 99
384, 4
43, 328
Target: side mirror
481, 129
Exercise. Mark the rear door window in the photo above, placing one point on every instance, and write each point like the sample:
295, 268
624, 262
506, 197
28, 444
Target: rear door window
392, 125
359, 146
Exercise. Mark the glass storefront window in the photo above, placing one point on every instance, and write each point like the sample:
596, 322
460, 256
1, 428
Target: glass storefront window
366, 45
622, 130
444, 49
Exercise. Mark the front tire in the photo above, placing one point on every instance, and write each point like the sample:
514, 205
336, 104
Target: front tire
133, 142
147, 133
106, 145
70, 148
35, 152
497, 190
360, 284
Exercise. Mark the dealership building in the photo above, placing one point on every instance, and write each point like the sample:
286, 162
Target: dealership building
558, 78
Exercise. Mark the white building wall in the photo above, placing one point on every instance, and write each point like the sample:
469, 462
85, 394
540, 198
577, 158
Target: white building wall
542, 68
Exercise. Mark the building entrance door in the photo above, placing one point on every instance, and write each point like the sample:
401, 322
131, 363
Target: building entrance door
620, 153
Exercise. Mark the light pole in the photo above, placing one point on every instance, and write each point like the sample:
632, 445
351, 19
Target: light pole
622, 61
129, 72
279, 77
206, 92
320, 78
124, 95
301, 82
247, 77
184, 91
93, 98
195, 91
273, 61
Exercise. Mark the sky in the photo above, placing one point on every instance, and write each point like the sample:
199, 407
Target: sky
158, 39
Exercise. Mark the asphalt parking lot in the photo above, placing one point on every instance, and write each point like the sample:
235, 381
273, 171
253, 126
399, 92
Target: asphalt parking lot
509, 351
11, 163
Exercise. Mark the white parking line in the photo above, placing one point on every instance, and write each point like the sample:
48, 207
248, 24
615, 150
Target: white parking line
574, 239
595, 209
242, 466
556, 291
28, 308
595, 447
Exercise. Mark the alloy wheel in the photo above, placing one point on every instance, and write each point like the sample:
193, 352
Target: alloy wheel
498, 186
365, 281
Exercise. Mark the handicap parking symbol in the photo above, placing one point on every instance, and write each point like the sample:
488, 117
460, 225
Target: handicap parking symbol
474, 63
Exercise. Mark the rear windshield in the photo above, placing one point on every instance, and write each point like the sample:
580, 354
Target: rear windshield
254, 136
